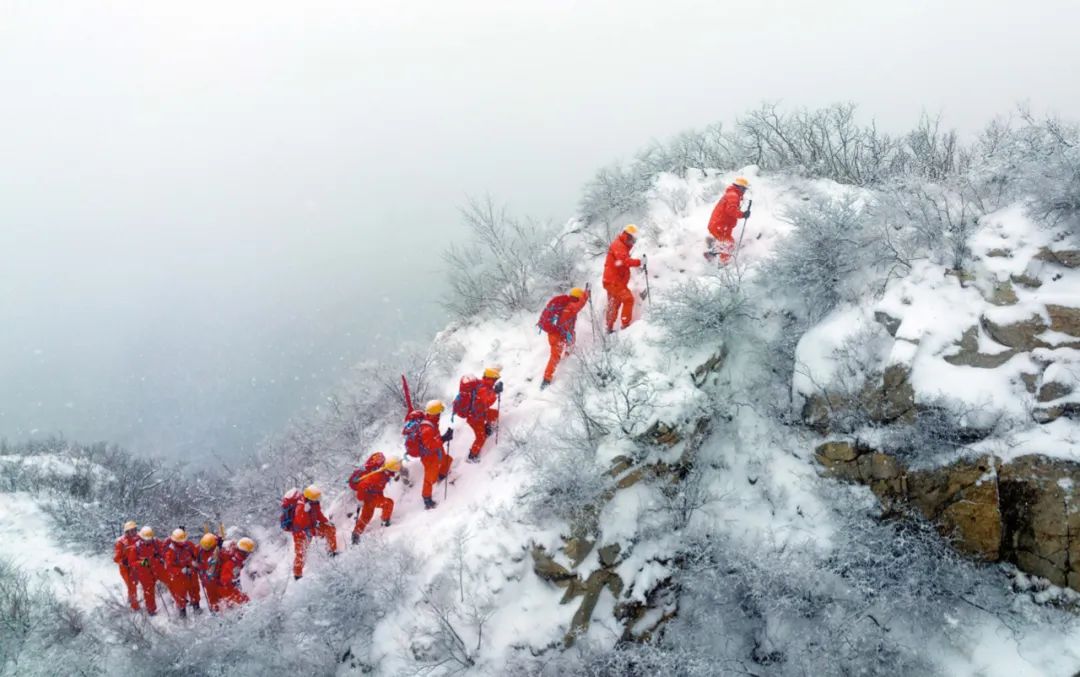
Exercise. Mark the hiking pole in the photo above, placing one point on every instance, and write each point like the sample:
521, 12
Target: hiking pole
735, 256
645, 269
499, 424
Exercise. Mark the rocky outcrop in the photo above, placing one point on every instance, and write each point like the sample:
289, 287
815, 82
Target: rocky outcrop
968, 354
889, 401
1070, 258
1026, 512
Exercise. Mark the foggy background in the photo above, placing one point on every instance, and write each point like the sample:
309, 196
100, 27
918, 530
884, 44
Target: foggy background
209, 210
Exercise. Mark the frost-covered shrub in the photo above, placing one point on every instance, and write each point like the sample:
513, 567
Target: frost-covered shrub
566, 483
38, 631
926, 220
1051, 170
703, 311
509, 264
940, 428
829, 258
876, 603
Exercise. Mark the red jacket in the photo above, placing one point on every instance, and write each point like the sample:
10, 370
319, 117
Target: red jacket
180, 555
373, 484
308, 515
567, 319
232, 563
486, 397
121, 547
618, 263
726, 213
208, 562
145, 555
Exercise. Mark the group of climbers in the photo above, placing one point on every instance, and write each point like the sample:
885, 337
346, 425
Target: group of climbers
214, 566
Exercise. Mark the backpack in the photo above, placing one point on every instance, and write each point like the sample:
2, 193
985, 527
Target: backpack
411, 431
373, 463
549, 318
465, 401
288, 508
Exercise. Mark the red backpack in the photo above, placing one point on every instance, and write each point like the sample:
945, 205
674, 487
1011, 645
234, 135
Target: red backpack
549, 318
411, 431
373, 463
465, 401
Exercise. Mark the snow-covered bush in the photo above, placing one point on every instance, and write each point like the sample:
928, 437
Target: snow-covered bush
705, 310
566, 482
1051, 170
37, 629
926, 220
831, 256
509, 265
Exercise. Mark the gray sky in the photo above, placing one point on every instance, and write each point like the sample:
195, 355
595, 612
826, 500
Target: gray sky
209, 209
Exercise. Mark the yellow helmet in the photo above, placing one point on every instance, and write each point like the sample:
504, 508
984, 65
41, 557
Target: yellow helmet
741, 181
632, 229
393, 464
492, 372
434, 407
313, 493
130, 525
246, 544
146, 533
577, 292
178, 535
208, 541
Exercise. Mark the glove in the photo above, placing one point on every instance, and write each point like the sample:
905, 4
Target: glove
746, 214
448, 435
498, 387
186, 571
487, 428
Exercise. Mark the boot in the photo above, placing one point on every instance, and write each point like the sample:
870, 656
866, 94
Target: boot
386, 523
429, 504
296, 578
473, 458
183, 612
196, 607
544, 384
355, 538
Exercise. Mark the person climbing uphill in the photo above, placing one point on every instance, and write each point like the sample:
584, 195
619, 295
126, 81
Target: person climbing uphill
232, 563
724, 218
144, 560
617, 278
558, 321
475, 403
302, 515
208, 565
423, 441
126, 540
181, 575
369, 482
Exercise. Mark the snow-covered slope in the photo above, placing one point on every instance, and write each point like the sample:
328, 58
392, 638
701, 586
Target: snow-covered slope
721, 541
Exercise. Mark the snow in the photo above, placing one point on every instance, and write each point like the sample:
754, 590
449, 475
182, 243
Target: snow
32, 545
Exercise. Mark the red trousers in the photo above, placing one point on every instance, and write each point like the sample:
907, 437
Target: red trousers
231, 595
184, 588
479, 428
558, 347
367, 511
300, 544
147, 580
433, 469
723, 247
130, 585
213, 592
619, 297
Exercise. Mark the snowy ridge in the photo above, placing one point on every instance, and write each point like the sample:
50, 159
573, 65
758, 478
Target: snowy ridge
468, 563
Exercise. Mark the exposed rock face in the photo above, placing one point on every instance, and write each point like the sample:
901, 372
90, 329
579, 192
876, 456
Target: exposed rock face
969, 355
1070, 258
1026, 512
890, 401
1022, 336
